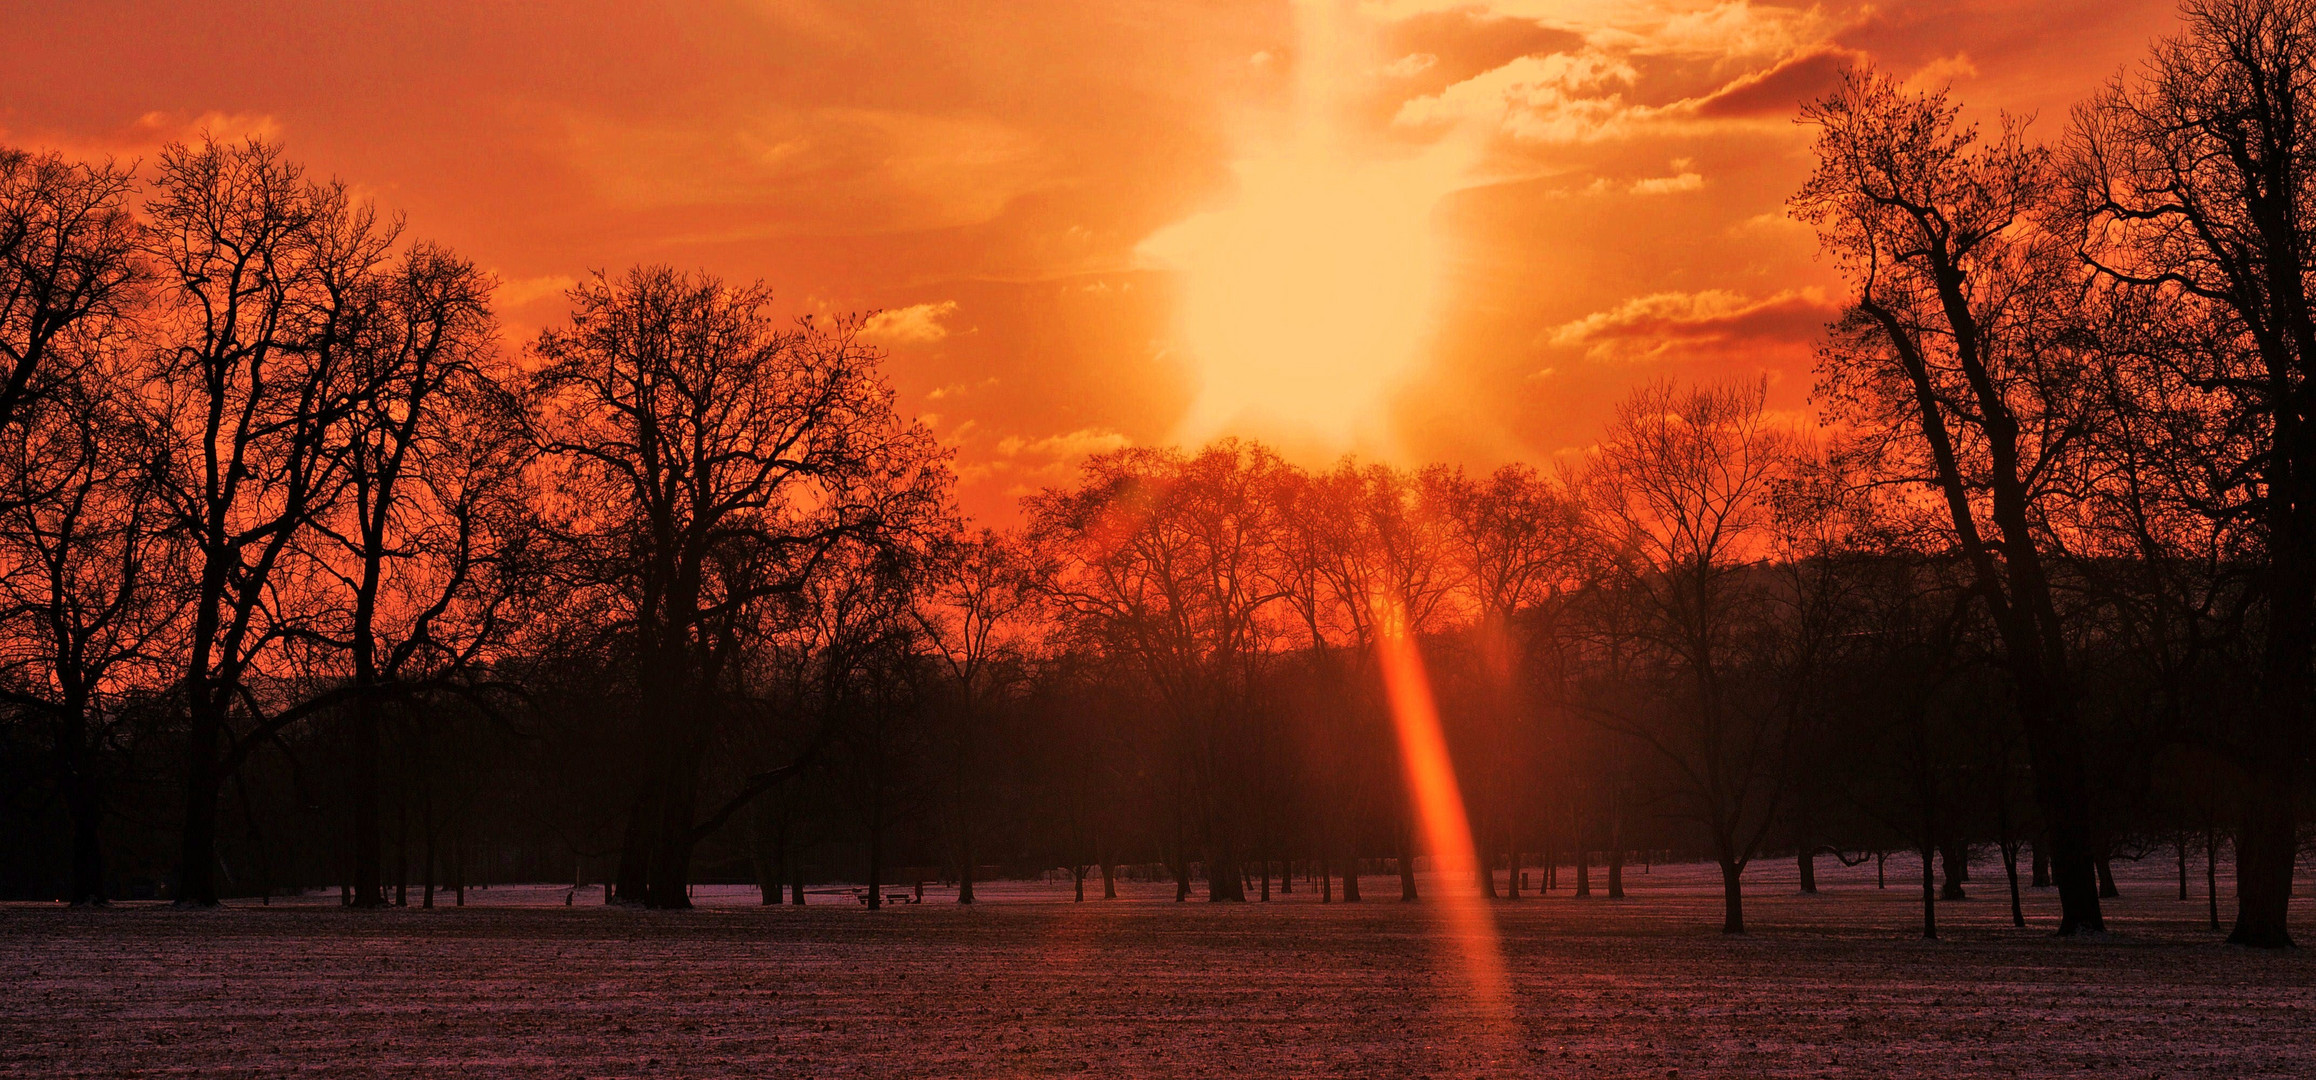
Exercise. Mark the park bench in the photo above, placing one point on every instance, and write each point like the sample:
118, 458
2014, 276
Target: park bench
891, 897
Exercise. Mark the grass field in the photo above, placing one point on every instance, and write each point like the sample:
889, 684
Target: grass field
1028, 984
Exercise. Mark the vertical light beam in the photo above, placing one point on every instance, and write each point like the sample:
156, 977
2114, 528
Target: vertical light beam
1439, 806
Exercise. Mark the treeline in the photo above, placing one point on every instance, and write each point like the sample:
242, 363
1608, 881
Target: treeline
311, 579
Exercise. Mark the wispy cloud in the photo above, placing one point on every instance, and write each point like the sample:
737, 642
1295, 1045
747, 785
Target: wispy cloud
916, 324
1715, 320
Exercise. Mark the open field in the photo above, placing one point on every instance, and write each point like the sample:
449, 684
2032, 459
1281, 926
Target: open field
1028, 984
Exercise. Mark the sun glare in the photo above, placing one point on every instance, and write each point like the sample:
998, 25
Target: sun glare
1430, 775
1307, 299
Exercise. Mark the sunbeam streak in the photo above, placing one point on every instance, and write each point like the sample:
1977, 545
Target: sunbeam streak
1439, 804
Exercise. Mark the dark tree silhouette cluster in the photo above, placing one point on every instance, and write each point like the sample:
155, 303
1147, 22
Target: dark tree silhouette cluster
308, 577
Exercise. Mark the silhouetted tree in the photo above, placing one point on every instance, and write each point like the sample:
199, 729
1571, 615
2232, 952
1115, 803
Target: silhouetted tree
1959, 361
696, 435
2194, 180
1679, 499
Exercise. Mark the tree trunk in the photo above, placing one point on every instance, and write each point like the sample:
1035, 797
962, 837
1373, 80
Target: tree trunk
771, 858
1732, 897
1512, 882
369, 829
2106, 871
2267, 846
669, 884
1929, 895
426, 829
1407, 891
83, 800
2010, 871
2075, 875
631, 881
1616, 844
402, 847
1223, 872
1583, 838
876, 858
2211, 873
1955, 855
965, 869
1804, 851
197, 851
1484, 868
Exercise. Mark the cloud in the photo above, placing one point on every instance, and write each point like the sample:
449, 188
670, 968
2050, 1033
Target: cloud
1635, 67
1411, 65
917, 324
515, 292
1715, 320
1668, 185
149, 132
1805, 76
1069, 447
1026, 464
1564, 97
939, 393
854, 169
1944, 71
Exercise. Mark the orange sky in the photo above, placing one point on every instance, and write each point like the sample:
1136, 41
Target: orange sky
1541, 201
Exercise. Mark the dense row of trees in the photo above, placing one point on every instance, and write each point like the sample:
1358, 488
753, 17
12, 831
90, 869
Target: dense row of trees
673, 592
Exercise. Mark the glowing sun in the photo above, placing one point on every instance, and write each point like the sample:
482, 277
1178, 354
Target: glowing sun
1308, 298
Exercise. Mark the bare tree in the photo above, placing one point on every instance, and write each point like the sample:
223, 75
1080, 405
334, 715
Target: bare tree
68, 247
430, 502
1514, 540
1159, 556
696, 435
1960, 361
973, 609
2194, 181
1679, 498
90, 597
253, 377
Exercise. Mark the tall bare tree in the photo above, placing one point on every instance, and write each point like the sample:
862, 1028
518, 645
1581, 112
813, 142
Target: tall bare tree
697, 436
1514, 539
88, 593
1159, 556
430, 504
253, 379
2194, 180
974, 608
1961, 360
1678, 495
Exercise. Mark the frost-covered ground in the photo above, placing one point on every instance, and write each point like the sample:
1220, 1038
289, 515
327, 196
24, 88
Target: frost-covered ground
1028, 984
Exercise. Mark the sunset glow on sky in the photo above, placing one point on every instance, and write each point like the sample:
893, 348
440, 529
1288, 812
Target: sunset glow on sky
1418, 230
